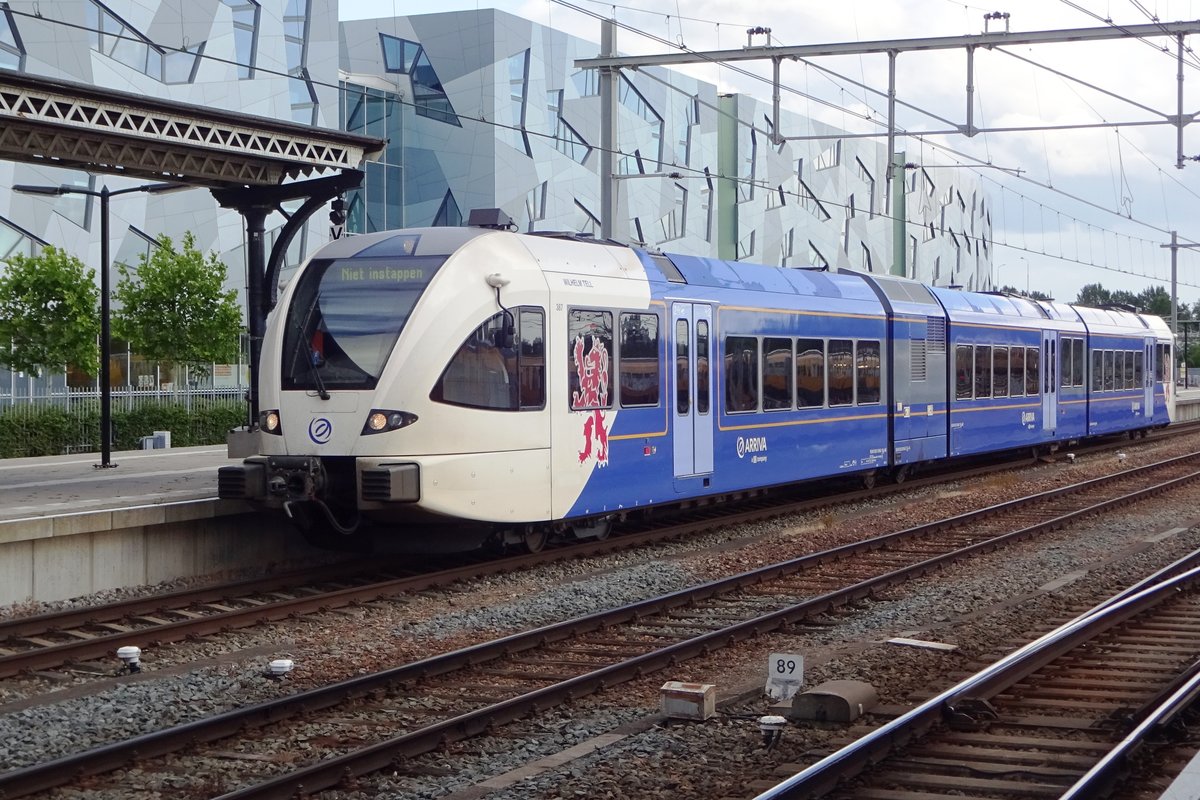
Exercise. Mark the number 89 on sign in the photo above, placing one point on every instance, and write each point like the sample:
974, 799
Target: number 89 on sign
785, 674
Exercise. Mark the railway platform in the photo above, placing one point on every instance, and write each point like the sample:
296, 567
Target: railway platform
68, 528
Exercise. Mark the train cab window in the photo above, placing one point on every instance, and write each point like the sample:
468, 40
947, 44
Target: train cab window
1110, 375
841, 372
1016, 372
1077, 362
1097, 370
501, 365
867, 370
810, 373
1033, 373
964, 371
1000, 372
1139, 372
638, 360
741, 373
589, 354
777, 374
682, 362
346, 316
983, 371
1160, 363
702, 348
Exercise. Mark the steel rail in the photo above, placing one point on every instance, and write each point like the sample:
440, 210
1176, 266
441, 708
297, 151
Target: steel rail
113, 756
825, 775
1155, 717
84, 645
331, 772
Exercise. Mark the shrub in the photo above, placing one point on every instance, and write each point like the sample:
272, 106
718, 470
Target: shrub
51, 430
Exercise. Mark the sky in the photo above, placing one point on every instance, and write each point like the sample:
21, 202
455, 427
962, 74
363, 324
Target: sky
1071, 207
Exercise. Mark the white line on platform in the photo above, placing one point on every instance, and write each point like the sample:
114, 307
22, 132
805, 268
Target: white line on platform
106, 476
123, 456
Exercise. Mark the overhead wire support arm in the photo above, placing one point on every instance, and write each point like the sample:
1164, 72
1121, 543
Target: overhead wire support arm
1179, 121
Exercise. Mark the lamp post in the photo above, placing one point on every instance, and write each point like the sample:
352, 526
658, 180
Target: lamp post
105, 335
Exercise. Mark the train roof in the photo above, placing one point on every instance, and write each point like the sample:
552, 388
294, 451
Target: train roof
700, 271
1117, 321
959, 303
438, 241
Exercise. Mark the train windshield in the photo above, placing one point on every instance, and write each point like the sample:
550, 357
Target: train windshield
345, 317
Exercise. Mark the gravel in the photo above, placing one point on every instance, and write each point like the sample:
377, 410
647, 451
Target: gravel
712, 759
576, 598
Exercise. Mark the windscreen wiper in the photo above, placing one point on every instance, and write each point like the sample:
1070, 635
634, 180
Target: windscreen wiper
315, 369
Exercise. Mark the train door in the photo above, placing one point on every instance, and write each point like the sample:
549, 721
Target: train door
1148, 374
1049, 381
692, 407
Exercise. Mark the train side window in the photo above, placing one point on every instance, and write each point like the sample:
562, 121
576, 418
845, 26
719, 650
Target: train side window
1000, 372
638, 365
1064, 363
1139, 372
1097, 370
1050, 374
964, 369
531, 363
1033, 374
1110, 375
702, 366
841, 372
1130, 372
682, 381
741, 373
867, 370
983, 371
1160, 363
484, 372
777, 374
1016, 372
1077, 362
810, 373
589, 349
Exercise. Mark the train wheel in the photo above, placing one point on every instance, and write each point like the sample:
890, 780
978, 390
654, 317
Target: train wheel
535, 539
868, 480
902, 473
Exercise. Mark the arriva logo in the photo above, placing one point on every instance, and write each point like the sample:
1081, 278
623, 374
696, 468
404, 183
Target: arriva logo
753, 444
319, 430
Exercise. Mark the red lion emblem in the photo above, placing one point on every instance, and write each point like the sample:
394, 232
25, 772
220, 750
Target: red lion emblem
592, 371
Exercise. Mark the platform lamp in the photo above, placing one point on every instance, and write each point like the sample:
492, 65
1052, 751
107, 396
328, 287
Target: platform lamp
105, 336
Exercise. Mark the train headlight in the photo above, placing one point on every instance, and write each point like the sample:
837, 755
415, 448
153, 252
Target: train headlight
269, 422
382, 420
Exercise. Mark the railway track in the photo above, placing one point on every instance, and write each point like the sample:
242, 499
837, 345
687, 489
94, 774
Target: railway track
456, 695
1072, 715
76, 636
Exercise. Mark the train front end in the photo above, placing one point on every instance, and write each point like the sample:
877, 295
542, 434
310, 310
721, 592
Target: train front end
348, 359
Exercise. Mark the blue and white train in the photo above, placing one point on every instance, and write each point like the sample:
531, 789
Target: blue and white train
436, 388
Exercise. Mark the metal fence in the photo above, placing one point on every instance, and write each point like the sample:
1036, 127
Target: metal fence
132, 380
46, 415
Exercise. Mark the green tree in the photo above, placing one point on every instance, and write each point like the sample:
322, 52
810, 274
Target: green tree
1033, 295
48, 315
175, 308
1093, 296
